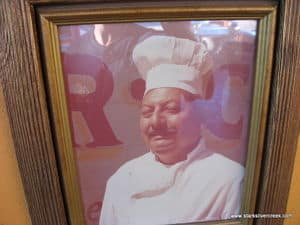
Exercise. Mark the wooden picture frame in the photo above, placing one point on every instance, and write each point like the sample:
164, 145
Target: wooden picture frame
43, 167
51, 18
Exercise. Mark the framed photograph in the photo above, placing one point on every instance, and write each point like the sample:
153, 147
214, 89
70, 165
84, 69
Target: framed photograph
124, 134
155, 112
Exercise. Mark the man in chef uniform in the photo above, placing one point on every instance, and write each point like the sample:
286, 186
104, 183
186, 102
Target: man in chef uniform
180, 180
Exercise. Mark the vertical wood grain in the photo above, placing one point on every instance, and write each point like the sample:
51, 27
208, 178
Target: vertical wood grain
283, 124
23, 90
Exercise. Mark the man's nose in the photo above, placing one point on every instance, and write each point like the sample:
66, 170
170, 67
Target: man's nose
158, 120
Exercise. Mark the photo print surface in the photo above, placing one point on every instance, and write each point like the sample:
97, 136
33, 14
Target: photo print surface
159, 115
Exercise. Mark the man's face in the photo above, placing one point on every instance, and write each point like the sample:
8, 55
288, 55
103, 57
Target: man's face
169, 124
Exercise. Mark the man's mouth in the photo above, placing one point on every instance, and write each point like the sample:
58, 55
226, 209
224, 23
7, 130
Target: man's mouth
159, 137
162, 139
156, 136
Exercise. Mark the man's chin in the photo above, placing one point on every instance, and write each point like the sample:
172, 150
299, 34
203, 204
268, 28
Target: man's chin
163, 149
166, 155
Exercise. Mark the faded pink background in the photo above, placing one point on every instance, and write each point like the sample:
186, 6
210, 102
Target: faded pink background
104, 92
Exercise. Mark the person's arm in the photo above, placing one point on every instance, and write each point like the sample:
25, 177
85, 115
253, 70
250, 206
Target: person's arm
107, 215
233, 200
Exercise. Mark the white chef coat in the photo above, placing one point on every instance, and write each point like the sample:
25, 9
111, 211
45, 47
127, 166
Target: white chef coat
205, 186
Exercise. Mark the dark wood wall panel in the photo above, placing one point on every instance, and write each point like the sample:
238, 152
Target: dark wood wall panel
283, 124
23, 90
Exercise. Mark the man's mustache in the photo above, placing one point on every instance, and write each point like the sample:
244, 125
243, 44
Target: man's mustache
161, 132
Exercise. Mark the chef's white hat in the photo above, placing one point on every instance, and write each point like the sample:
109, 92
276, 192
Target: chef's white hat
165, 61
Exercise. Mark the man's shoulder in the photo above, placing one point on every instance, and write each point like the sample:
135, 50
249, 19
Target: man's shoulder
135, 162
229, 169
220, 166
126, 170
226, 162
